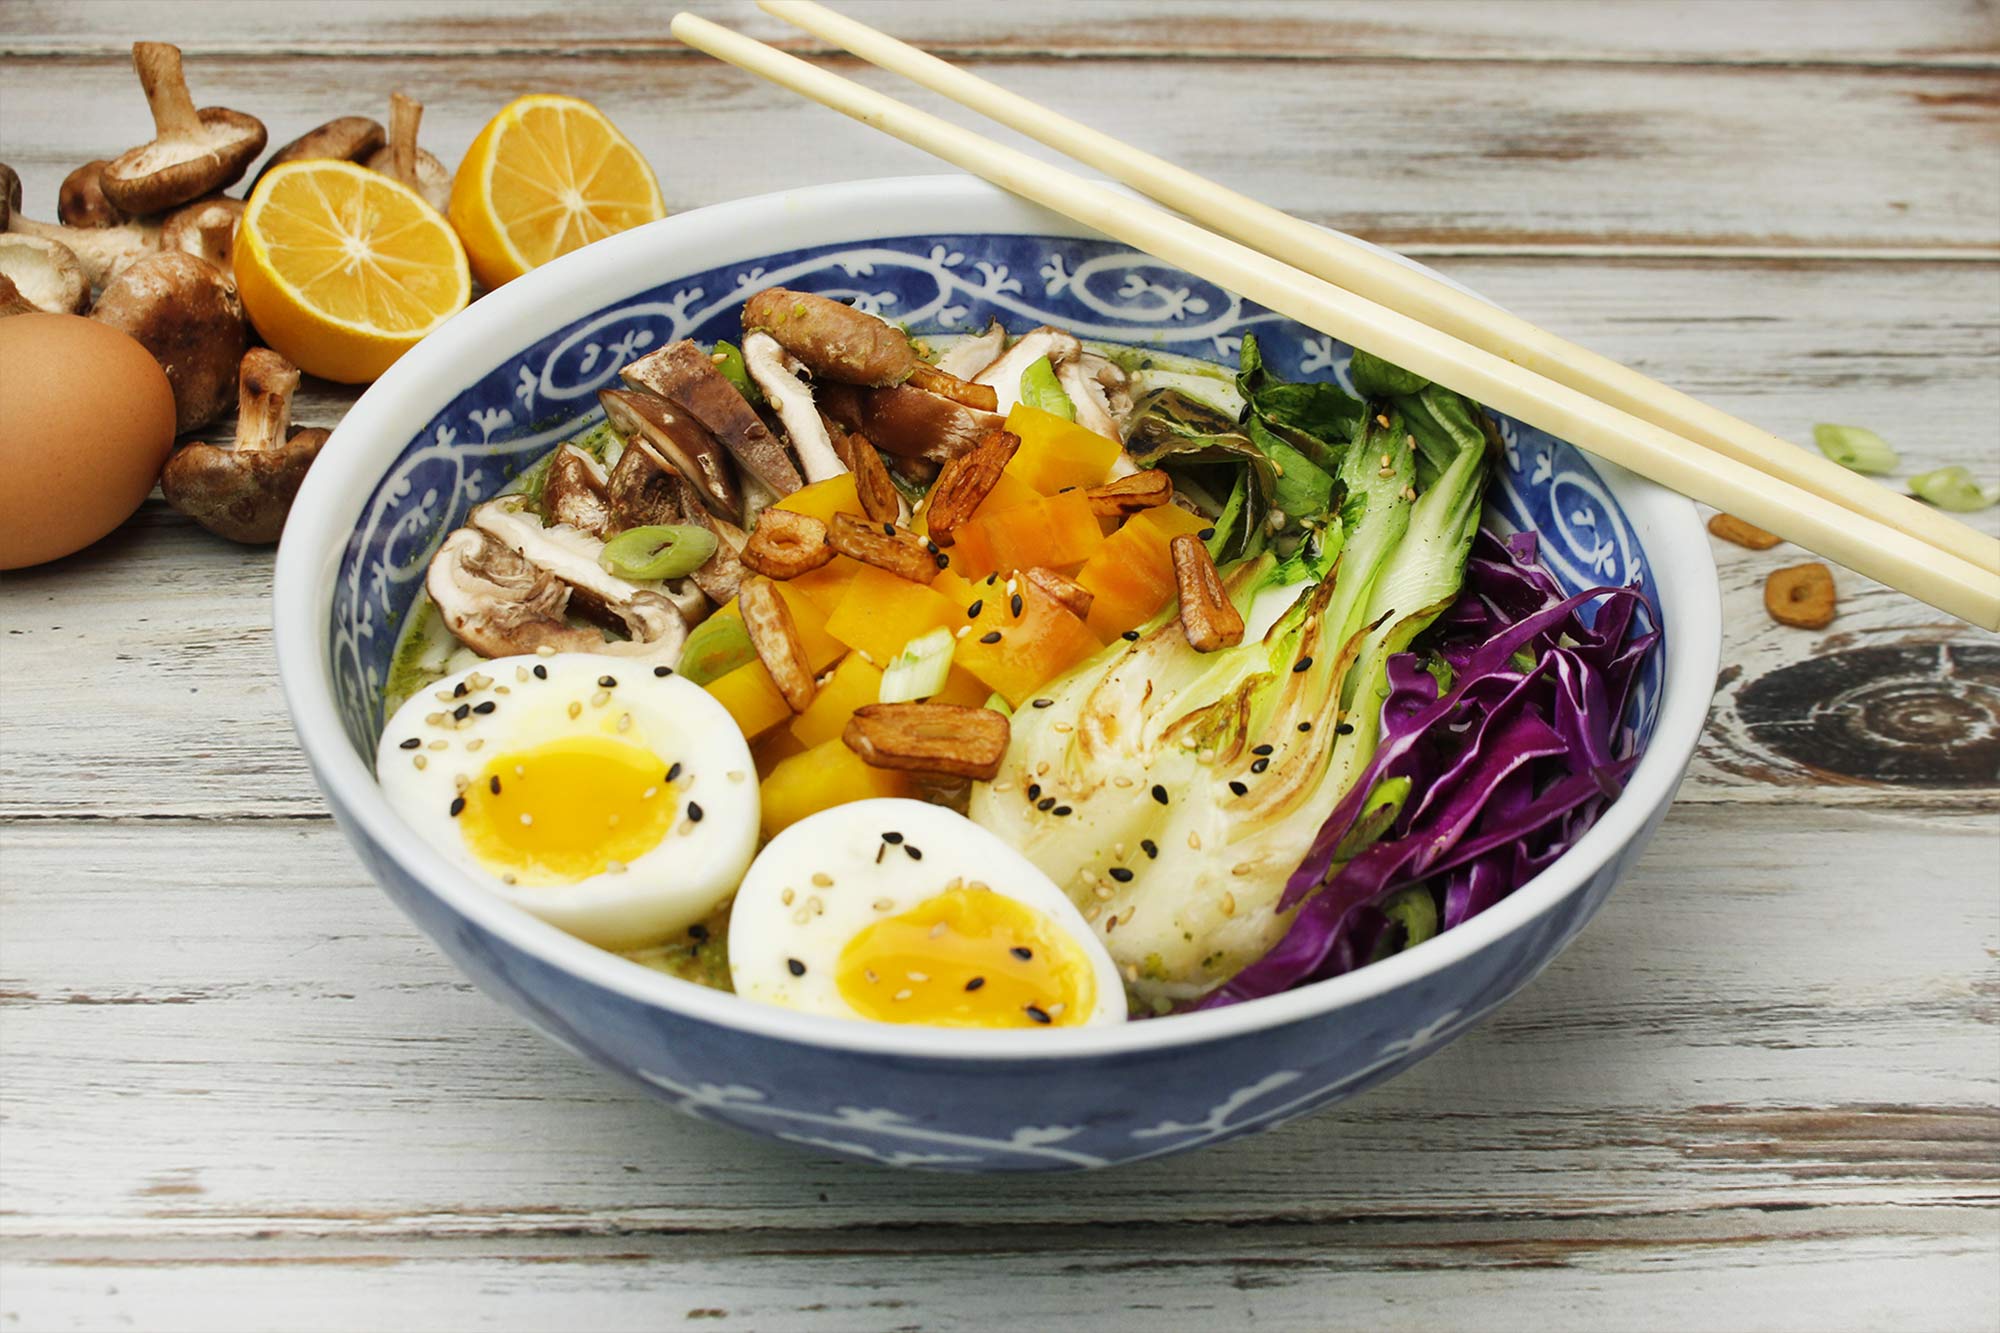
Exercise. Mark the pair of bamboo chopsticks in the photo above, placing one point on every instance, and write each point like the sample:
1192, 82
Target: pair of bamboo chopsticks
1343, 290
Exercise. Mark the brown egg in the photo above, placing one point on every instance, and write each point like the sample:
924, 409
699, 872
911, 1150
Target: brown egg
86, 421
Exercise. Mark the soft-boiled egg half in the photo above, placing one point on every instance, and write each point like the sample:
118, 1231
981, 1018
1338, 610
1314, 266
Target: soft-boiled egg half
614, 802
901, 912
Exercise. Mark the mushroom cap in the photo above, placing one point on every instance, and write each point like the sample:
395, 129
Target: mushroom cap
909, 421
183, 311
241, 494
81, 201
684, 374
345, 139
433, 179
206, 229
10, 195
12, 302
44, 273
497, 602
834, 341
154, 177
574, 490
678, 442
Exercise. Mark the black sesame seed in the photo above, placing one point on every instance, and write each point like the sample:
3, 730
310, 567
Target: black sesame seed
541, 672
943, 560
1060, 811
915, 853
673, 771
1344, 729
1014, 604
412, 743
1301, 665
458, 691
975, 983
1262, 749
1037, 1013
1034, 790
1022, 952
992, 579
663, 671
1305, 726
1130, 636
694, 813
697, 931
1206, 534
457, 806
888, 529
990, 636
1150, 848
462, 712
1046, 803
485, 708
1159, 793
978, 605
892, 838
608, 682
1121, 874
1041, 703
493, 784
1260, 766
794, 966
1237, 787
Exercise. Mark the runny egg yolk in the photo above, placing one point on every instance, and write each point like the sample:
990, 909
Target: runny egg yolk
967, 958
566, 810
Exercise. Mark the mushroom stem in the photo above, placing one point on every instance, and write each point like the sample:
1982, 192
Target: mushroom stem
265, 384
405, 115
159, 67
778, 373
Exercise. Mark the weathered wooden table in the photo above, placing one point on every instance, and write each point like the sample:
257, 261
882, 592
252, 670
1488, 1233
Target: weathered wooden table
240, 1092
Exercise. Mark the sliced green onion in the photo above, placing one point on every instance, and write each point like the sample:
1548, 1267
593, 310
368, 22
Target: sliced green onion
1040, 389
717, 647
998, 703
1953, 488
1856, 448
1377, 814
920, 670
660, 551
1416, 912
729, 360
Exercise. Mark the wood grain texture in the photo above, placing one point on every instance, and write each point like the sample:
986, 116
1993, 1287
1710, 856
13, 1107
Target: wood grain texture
237, 1091
1951, 34
1408, 155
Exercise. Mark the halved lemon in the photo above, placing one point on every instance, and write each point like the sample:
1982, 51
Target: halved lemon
547, 175
343, 270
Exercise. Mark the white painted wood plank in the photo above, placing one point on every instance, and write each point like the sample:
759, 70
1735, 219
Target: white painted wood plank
1887, 1269
225, 1032
174, 625
1792, 32
1425, 153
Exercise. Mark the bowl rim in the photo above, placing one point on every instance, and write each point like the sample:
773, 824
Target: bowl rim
471, 344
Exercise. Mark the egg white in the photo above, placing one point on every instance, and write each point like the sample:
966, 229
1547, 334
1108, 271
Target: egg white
682, 879
782, 915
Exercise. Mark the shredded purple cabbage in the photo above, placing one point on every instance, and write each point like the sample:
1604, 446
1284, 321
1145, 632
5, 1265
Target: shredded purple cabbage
1507, 769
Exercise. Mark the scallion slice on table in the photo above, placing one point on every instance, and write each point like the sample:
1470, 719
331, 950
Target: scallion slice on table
1953, 488
1856, 448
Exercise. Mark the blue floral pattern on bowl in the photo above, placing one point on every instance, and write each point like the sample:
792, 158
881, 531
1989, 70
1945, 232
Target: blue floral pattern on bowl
900, 1109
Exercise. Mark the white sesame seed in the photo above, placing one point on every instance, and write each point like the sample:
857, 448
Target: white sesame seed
1064, 727
1121, 781
1092, 912
509, 879
735, 775
822, 879
520, 673
624, 722
937, 931
600, 698
1194, 840
433, 719
786, 897
961, 631
461, 782
575, 709
527, 820
1229, 904
884, 904
800, 917
649, 793
419, 760
1241, 868
980, 886
545, 651
475, 743
1131, 971
1004, 784
918, 976
1103, 892
905, 993
438, 745
818, 907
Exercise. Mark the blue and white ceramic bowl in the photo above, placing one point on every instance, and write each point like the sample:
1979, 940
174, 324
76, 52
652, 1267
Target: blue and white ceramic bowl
497, 387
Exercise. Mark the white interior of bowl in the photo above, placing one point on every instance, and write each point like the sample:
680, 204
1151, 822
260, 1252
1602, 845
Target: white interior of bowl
397, 406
